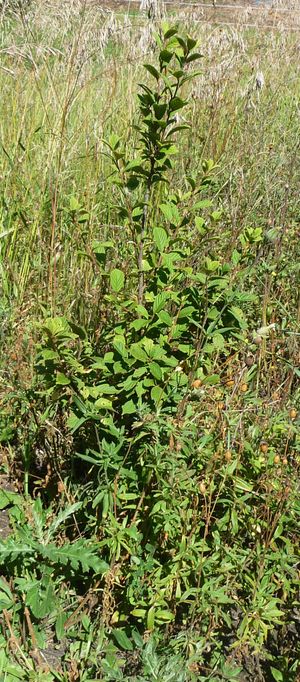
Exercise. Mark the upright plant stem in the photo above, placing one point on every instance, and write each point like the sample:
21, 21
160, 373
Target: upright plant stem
143, 233
141, 247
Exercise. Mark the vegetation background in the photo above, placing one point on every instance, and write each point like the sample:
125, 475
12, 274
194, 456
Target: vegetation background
149, 374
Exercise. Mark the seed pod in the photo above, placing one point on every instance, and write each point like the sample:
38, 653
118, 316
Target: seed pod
229, 383
244, 388
293, 413
285, 461
263, 446
276, 459
197, 383
228, 455
202, 488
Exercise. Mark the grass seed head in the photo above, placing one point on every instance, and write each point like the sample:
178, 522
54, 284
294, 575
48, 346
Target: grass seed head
228, 455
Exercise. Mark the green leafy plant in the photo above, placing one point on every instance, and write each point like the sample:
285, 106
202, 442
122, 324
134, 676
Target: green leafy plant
160, 505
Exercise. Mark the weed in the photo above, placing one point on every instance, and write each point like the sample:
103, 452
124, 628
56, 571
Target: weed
150, 396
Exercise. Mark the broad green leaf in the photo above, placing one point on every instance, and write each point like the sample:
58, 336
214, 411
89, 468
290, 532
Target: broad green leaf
218, 341
230, 672
204, 203
193, 57
211, 379
58, 326
117, 280
138, 613
159, 302
122, 639
160, 110
169, 33
277, 674
138, 324
103, 404
216, 215
155, 370
136, 164
138, 352
102, 389
74, 204
191, 42
114, 140
151, 618
165, 56
157, 394
176, 129
171, 213
13, 672
200, 223
137, 638
165, 318
146, 265
149, 346
119, 345
186, 312
151, 69
48, 354
238, 315
59, 625
161, 238
74, 422
211, 265
169, 259
164, 615
101, 247
41, 599
78, 330
177, 103
133, 182
7, 498
62, 379
142, 311
129, 407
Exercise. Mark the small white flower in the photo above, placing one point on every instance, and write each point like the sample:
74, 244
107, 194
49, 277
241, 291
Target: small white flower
178, 369
265, 331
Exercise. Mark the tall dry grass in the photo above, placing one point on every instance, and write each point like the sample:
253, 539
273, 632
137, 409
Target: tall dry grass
69, 75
